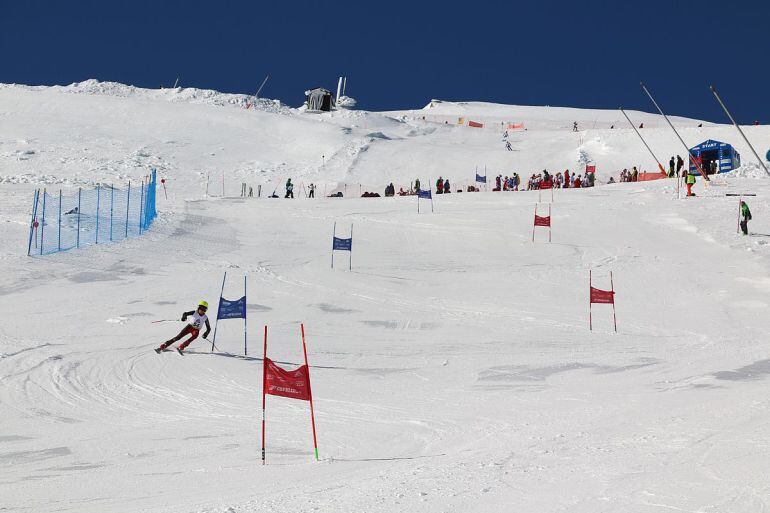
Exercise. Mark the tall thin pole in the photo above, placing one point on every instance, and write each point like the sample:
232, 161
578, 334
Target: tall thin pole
350, 264
112, 197
614, 318
533, 224
724, 107
245, 347
260, 87
77, 238
128, 204
550, 223
216, 321
334, 235
42, 227
692, 157
32, 221
590, 303
660, 166
264, 392
98, 197
141, 207
59, 219
310, 393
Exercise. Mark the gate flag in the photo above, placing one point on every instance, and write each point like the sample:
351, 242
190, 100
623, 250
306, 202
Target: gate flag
544, 221
340, 244
231, 309
601, 297
424, 194
285, 383
481, 179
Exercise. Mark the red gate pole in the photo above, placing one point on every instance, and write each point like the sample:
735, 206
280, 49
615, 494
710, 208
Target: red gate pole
264, 391
614, 318
590, 285
550, 222
533, 224
310, 392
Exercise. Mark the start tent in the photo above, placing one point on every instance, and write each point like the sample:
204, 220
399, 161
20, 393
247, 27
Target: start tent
715, 153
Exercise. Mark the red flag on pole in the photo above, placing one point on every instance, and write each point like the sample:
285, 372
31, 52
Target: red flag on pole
590, 169
294, 384
601, 297
544, 221
285, 383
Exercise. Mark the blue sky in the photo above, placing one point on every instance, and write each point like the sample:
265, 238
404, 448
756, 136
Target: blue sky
402, 54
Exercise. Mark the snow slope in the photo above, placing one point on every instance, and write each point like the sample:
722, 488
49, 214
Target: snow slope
453, 369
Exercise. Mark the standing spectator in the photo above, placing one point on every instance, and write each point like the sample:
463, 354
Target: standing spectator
289, 189
416, 184
745, 217
566, 179
440, 185
671, 167
311, 189
634, 174
447, 187
679, 164
690, 181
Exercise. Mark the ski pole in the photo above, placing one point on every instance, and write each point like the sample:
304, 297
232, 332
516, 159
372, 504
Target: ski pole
165, 320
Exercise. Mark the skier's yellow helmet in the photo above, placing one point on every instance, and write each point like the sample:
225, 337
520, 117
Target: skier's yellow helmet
204, 304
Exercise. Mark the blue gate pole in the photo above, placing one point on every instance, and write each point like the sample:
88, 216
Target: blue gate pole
245, 349
112, 196
97, 214
42, 225
141, 208
59, 219
216, 322
128, 204
32, 222
77, 244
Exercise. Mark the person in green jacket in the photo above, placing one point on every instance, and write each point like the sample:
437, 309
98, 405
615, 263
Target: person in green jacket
690, 181
745, 217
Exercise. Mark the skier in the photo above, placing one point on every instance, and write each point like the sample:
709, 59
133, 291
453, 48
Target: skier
193, 327
508, 146
745, 217
574, 126
289, 189
690, 181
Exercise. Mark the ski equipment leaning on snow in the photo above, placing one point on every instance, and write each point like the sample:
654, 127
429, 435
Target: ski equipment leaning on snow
198, 318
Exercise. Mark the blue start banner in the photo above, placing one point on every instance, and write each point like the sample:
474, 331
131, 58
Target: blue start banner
423, 194
481, 179
232, 309
342, 244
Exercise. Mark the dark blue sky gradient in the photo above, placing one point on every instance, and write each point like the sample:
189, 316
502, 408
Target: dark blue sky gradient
399, 55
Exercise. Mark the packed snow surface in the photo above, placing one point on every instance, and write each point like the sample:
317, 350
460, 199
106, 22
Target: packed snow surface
452, 367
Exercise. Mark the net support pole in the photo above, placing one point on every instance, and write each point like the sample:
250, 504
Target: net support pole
692, 157
128, 205
590, 303
42, 227
614, 317
216, 322
310, 392
264, 391
350, 256
550, 223
59, 244
245, 314
35, 198
334, 235
98, 204
77, 237
112, 204
141, 208
724, 107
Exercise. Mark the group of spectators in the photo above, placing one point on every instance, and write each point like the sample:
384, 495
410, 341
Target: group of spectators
544, 180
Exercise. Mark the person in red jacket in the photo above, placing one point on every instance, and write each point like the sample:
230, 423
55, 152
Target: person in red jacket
567, 183
577, 182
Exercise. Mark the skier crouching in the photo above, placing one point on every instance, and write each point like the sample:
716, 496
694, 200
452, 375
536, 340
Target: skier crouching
198, 318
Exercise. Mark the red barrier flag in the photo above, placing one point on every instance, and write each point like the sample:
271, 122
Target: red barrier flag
604, 297
474, 124
590, 169
281, 382
542, 221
